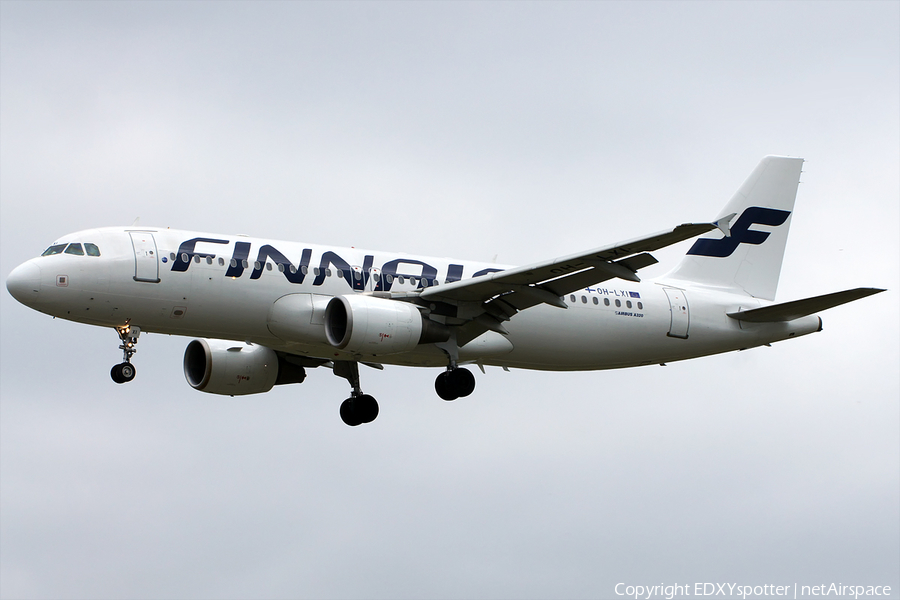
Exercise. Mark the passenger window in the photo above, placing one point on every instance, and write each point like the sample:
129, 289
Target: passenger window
424, 282
196, 259
75, 249
399, 278
357, 275
268, 266
641, 305
172, 256
209, 260
184, 257
316, 271
596, 302
618, 303
257, 266
280, 268
244, 263
572, 298
606, 301
92, 250
412, 281
221, 262
233, 263
340, 273
304, 270
628, 303
327, 272
584, 300
389, 278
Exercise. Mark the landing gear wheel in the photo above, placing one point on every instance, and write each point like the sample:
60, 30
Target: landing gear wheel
455, 383
463, 382
358, 410
348, 413
366, 408
128, 371
444, 387
122, 372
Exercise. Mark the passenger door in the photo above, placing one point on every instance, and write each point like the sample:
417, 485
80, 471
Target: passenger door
146, 259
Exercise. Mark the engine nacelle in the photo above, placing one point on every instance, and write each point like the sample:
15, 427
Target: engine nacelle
231, 368
377, 326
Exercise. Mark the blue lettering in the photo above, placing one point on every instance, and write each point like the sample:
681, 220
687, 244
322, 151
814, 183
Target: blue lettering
186, 252
294, 274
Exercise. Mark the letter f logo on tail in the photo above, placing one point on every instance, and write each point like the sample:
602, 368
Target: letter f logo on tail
741, 232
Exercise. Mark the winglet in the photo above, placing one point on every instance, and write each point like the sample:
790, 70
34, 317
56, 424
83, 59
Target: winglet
724, 224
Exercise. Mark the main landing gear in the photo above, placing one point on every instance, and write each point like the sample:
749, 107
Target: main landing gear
454, 383
359, 408
125, 371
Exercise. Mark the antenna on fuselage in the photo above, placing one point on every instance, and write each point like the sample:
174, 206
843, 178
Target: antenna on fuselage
135, 224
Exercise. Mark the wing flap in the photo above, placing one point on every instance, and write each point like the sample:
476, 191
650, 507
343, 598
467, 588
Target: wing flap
788, 311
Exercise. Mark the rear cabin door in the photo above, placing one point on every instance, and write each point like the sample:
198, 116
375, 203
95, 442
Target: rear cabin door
681, 317
146, 259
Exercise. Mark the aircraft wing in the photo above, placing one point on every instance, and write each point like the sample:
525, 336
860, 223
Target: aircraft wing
495, 297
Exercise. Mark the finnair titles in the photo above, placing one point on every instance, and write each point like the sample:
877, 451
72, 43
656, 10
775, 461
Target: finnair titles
264, 312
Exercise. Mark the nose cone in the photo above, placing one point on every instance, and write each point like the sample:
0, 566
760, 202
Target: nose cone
24, 283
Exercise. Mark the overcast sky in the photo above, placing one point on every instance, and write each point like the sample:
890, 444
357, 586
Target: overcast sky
519, 131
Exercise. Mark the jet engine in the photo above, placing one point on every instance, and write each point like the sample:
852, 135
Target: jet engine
236, 368
376, 326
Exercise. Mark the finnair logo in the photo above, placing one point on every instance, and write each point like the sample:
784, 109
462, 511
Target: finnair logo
741, 232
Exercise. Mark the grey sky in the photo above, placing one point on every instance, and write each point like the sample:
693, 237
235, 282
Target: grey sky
474, 130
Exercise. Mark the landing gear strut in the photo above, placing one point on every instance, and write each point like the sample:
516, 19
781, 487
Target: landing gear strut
454, 383
125, 371
359, 408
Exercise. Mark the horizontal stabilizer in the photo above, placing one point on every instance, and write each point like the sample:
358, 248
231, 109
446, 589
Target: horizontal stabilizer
788, 311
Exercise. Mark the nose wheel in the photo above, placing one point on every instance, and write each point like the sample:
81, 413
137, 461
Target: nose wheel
122, 373
125, 371
454, 383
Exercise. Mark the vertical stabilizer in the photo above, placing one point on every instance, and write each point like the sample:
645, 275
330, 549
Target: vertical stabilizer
748, 259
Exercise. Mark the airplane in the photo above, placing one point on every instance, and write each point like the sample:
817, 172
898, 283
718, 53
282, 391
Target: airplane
264, 312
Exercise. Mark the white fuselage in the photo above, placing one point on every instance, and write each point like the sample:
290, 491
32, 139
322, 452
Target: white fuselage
220, 286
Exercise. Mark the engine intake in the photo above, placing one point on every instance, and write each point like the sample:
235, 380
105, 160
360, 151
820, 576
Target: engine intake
377, 326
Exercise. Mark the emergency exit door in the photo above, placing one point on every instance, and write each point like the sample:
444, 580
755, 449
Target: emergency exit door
146, 261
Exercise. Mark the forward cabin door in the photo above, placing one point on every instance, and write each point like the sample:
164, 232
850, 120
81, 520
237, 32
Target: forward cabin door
681, 317
146, 259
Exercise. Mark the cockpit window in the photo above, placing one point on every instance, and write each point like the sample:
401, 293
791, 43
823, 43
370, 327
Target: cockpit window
75, 249
92, 249
56, 249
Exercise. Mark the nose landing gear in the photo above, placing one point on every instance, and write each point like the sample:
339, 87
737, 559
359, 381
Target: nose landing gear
125, 371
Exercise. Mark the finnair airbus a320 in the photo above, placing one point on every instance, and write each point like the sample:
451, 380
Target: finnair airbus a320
265, 311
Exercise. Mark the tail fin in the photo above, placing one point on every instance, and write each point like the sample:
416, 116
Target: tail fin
748, 259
